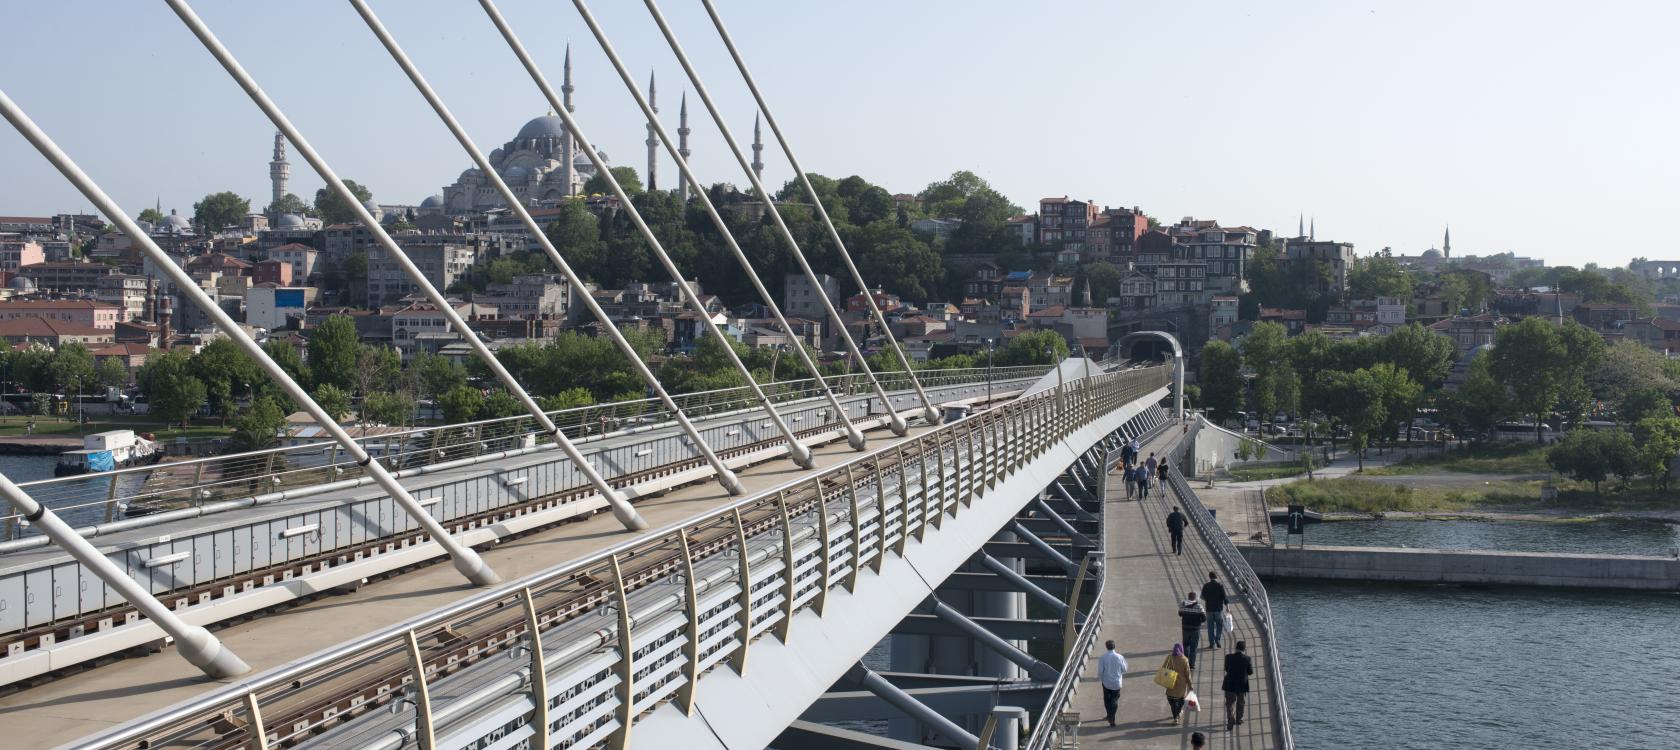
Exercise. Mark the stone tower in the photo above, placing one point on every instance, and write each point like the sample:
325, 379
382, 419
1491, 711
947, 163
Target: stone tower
758, 151
682, 148
279, 170
652, 139
568, 153
1446, 243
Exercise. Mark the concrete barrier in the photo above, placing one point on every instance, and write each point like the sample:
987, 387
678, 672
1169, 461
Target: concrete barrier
1627, 572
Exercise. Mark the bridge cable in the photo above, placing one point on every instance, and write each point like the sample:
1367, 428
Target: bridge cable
854, 436
932, 412
621, 507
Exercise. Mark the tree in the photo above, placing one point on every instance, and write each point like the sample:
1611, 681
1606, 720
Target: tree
1030, 349
151, 216
257, 428
287, 357
378, 368
576, 233
1400, 395
1629, 369
461, 404
1104, 279
1378, 276
111, 373
570, 398
174, 392
1481, 402
220, 210
437, 375
71, 368
499, 405
333, 350
626, 177
334, 210
1221, 380
899, 261
1527, 358
227, 373
333, 399
1354, 399
1659, 442
387, 408
1266, 351
1583, 351
1591, 455
290, 204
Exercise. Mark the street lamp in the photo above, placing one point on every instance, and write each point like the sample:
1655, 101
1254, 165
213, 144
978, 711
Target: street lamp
988, 373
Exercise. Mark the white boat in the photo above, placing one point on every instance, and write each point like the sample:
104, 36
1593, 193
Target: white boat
108, 451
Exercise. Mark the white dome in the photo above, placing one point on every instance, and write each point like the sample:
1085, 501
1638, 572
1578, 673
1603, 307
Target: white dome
175, 223
373, 208
289, 221
434, 201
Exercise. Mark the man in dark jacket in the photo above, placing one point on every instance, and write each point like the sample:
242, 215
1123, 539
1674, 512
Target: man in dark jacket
1238, 668
1175, 527
1190, 619
1213, 597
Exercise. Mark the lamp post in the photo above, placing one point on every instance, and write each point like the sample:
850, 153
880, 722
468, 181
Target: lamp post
989, 347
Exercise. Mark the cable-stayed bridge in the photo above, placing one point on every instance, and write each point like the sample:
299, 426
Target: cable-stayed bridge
706, 569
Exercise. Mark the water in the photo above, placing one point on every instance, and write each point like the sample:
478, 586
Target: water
1609, 536
1421, 666
27, 468
85, 493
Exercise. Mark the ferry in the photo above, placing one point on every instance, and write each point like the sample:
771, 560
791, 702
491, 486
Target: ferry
109, 451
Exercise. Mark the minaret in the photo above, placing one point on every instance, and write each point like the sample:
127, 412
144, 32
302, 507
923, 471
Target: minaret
1301, 224
758, 151
278, 170
682, 149
568, 154
1446, 243
652, 139
1312, 230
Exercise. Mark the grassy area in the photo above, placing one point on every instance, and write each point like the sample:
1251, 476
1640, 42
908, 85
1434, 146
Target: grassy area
1259, 472
1480, 458
66, 427
1349, 494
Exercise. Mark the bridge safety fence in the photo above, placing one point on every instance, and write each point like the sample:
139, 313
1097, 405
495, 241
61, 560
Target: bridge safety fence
571, 656
139, 490
1246, 582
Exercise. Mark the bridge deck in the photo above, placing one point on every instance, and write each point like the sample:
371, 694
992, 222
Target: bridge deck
81, 703
1140, 613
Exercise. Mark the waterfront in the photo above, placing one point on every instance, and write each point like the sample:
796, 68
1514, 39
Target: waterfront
83, 494
1426, 666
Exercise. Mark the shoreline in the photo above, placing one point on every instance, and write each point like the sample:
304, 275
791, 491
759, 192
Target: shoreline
1559, 515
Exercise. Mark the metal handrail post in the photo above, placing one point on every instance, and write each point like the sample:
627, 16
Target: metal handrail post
466, 561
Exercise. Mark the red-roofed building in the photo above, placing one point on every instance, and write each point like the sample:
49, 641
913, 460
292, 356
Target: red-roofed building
98, 315
54, 333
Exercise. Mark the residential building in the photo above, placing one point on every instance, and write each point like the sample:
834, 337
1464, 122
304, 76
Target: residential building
1226, 251
1066, 222
1137, 291
421, 326
275, 307
936, 228
1472, 331
1661, 335
440, 259
531, 296
1024, 228
986, 282
1113, 235
802, 299
301, 257
97, 315
15, 254
66, 277
275, 272
1222, 311
1180, 283
1336, 256
886, 301
1049, 290
53, 333
127, 292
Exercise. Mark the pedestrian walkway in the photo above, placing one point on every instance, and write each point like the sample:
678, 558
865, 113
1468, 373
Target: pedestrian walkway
1145, 583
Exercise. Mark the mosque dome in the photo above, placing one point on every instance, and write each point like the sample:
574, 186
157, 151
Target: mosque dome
435, 201
471, 175
175, 223
547, 126
289, 221
1432, 253
517, 174
22, 284
373, 208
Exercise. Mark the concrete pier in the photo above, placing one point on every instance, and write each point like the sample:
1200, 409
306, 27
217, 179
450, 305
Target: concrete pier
1622, 572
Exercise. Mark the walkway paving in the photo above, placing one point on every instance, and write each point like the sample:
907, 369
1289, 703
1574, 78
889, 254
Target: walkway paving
1140, 613
81, 703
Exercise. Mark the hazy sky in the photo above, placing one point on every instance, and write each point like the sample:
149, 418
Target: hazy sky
1540, 127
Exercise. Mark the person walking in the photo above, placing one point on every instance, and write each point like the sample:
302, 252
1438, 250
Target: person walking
1180, 687
1140, 477
1197, 740
1190, 619
1128, 452
1126, 474
1238, 668
1213, 597
1175, 526
1161, 471
1151, 463
1111, 670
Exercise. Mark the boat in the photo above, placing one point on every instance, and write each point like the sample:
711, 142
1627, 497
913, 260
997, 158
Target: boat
109, 451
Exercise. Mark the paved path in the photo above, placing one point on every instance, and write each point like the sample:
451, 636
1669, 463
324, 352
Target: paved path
1140, 613
84, 702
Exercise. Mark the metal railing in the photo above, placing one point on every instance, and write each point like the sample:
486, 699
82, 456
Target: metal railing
1247, 583
101, 497
598, 641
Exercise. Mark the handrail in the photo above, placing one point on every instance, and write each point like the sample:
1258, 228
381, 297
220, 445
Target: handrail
197, 482
1007, 435
1247, 582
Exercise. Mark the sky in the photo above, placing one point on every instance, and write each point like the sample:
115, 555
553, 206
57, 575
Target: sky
1527, 126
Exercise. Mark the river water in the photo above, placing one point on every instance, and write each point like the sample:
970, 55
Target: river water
1420, 666
78, 502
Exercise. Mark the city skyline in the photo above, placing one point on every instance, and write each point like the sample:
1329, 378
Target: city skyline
1362, 119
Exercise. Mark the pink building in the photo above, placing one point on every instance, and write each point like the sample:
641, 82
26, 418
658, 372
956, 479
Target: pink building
15, 254
98, 315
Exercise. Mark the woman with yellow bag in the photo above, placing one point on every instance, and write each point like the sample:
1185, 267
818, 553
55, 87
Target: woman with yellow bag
1174, 675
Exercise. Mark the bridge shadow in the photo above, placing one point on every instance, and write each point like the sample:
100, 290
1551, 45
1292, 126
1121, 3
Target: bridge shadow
126, 691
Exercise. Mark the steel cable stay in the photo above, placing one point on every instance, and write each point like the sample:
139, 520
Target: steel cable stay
931, 414
854, 436
810, 191
621, 507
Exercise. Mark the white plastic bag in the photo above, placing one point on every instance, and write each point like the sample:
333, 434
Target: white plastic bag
1230, 623
1191, 702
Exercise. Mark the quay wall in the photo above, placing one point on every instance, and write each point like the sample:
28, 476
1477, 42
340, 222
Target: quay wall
1624, 572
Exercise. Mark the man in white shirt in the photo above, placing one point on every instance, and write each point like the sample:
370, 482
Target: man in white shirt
1111, 669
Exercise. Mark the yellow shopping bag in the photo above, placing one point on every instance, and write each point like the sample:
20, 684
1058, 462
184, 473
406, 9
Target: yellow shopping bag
1166, 678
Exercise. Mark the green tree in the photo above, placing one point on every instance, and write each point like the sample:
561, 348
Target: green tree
570, 398
71, 368
627, 179
461, 404
334, 210
1527, 358
1031, 349
1221, 380
1400, 396
902, 263
500, 404
964, 195
1104, 279
111, 373
333, 399
1378, 276
290, 204
1629, 369
1355, 399
378, 368
1591, 455
257, 428
220, 210
1659, 443
333, 349
175, 393
1267, 352
576, 233
227, 373
437, 375
1481, 402
387, 408
287, 357
151, 216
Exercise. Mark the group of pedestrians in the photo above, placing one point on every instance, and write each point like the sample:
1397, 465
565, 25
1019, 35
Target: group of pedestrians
1193, 614
1140, 475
